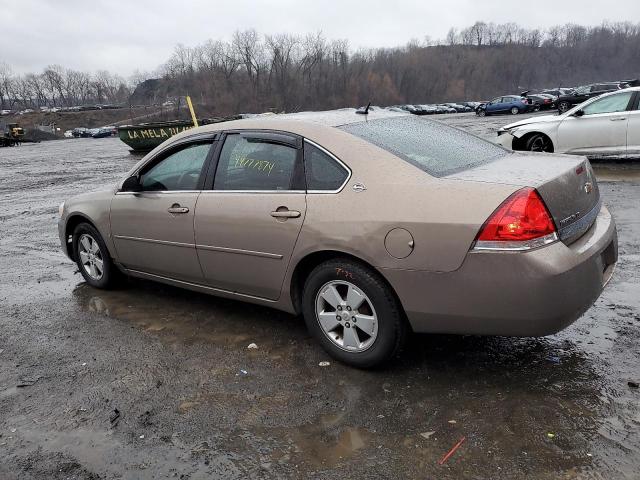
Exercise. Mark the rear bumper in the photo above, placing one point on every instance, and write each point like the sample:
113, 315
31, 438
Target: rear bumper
533, 293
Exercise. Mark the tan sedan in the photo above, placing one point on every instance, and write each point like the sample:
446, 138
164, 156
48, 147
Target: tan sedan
369, 226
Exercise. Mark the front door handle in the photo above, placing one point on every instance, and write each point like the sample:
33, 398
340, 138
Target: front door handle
617, 119
285, 214
176, 208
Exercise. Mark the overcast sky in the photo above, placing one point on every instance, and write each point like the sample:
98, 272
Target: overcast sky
125, 35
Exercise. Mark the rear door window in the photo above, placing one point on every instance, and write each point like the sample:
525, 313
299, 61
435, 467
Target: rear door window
247, 164
322, 172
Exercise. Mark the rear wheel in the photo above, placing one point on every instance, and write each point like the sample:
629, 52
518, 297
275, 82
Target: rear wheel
515, 110
539, 143
92, 257
353, 313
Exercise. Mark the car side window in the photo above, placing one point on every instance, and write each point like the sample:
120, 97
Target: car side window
321, 171
248, 165
610, 104
178, 171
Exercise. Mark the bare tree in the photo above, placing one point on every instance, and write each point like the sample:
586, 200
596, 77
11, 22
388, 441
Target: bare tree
6, 86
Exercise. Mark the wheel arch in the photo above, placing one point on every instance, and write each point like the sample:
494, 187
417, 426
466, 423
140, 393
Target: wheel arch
73, 221
306, 264
520, 143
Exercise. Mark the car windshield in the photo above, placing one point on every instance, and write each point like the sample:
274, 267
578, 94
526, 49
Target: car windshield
431, 146
584, 89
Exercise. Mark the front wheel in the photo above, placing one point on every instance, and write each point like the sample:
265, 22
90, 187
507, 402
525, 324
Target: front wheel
515, 110
92, 257
481, 113
353, 313
539, 143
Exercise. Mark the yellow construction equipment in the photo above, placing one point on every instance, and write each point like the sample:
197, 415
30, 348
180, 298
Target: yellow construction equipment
11, 134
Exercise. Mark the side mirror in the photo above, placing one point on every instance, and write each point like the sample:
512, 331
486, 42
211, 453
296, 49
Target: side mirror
131, 184
578, 113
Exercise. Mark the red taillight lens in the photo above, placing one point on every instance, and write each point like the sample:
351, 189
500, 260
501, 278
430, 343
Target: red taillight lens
521, 217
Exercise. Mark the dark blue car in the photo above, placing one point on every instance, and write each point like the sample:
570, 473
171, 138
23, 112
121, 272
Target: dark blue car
512, 104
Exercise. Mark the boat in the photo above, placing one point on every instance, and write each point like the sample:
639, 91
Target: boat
144, 137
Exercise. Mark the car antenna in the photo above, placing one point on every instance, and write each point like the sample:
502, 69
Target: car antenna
364, 111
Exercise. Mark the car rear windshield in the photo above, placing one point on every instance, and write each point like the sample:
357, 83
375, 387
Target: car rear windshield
431, 146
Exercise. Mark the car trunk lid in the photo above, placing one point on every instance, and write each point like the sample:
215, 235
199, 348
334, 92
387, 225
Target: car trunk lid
566, 184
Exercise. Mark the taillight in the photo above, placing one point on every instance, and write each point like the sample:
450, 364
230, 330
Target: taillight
521, 222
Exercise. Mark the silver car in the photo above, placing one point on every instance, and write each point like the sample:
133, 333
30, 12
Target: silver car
608, 125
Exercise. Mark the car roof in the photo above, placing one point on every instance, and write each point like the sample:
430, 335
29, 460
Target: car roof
298, 123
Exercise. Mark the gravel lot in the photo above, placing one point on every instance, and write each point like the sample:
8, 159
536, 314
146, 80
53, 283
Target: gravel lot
149, 381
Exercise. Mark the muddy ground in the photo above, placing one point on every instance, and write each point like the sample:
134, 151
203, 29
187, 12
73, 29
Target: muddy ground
193, 402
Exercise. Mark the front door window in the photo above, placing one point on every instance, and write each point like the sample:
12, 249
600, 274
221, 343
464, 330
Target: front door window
610, 104
179, 171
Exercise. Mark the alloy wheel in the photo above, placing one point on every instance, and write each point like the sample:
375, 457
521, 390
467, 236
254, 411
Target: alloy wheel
91, 256
540, 144
346, 316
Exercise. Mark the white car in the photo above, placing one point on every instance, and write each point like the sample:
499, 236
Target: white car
608, 125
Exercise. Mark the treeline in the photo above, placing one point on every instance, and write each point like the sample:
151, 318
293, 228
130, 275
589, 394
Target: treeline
254, 72
60, 87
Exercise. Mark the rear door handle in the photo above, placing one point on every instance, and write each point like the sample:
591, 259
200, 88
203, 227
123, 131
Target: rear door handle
285, 214
617, 119
176, 208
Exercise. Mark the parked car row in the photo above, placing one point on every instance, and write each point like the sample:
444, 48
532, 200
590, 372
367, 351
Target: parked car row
83, 132
585, 92
562, 98
77, 108
434, 109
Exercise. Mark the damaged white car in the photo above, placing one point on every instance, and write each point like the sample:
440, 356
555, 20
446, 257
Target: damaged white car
605, 126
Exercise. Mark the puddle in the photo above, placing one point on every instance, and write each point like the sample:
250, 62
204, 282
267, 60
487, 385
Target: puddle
326, 443
178, 315
616, 172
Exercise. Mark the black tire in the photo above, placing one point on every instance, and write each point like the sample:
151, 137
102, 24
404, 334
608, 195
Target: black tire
110, 273
538, 143
514, 110
481, 112
564, 106
391, 323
